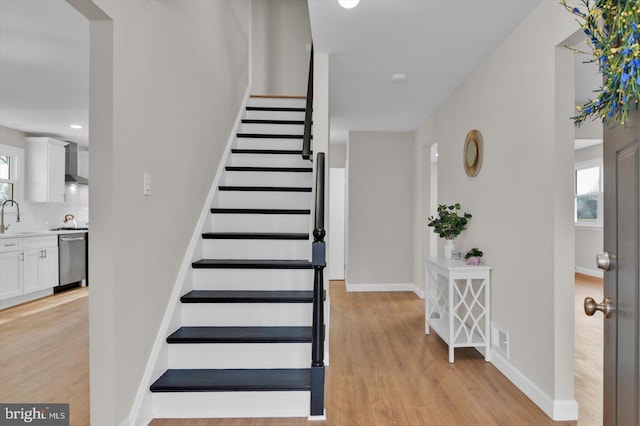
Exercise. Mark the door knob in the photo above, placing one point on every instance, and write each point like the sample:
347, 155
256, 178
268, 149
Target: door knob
590, 307
603, 261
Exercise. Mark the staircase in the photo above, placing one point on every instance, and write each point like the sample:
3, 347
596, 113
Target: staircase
244, 344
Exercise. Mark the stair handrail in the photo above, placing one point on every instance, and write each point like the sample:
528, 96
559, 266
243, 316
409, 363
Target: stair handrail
318, 261
306, 139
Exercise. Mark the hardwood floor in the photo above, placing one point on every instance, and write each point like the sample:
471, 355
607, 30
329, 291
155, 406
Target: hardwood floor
44, 353
384, 370
588, 352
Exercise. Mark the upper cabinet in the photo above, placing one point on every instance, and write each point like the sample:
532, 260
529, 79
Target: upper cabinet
45, 170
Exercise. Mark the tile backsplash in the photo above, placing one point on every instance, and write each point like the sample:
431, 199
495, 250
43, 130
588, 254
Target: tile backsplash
45, 216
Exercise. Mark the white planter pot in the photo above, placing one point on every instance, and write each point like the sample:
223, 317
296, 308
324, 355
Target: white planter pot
449, 247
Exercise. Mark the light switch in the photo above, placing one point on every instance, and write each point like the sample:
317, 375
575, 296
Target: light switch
147, 183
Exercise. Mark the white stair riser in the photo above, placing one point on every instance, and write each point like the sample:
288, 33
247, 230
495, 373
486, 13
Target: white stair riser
240, 355
274, 115
246, 314
255, 249
268, 143
271, 128
264, 199
277, 102
252, 279
237, 178
175, 405
260, 223
269, 160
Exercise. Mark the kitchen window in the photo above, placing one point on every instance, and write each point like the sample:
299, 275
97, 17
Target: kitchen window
9, 177
588, 194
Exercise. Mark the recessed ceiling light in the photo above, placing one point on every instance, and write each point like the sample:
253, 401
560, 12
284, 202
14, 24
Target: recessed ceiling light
399, 78
75, 126
348, 4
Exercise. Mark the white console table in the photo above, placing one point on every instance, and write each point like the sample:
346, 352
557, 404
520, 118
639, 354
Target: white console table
457, 306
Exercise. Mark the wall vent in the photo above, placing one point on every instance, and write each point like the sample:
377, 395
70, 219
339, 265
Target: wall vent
500, 340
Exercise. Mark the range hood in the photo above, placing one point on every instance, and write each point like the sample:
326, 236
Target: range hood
71, 165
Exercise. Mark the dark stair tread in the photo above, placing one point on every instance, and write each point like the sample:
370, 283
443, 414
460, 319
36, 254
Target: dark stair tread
247, 296
252, 264
263, 121
220, 210
269, 136
266, 151
255, 236
241, 335
208, 380
265, 188
268, 169
288, 109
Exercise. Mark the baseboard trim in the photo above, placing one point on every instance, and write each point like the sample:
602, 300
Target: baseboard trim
565, 410
557, 410
385, 287
24, 298
142, 405
321, 418
591, 272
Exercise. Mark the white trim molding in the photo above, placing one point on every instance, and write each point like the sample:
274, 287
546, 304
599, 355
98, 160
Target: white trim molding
321, 418
557, 410
591, 272
386, 287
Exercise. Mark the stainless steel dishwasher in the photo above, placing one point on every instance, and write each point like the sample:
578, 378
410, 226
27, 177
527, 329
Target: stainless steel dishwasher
72, 250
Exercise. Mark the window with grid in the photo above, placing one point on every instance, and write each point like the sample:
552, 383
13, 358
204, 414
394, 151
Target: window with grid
9, 157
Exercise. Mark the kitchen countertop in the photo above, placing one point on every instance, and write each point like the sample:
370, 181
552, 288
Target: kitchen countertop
23, 234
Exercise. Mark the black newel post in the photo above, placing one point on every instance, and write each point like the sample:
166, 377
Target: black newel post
318, 262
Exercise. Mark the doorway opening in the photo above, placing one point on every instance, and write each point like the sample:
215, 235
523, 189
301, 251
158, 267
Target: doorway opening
589, 240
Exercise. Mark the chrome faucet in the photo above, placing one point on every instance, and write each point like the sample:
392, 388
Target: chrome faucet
2, 226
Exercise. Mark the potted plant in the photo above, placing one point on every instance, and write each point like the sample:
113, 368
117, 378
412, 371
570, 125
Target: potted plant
473, 256
448, 223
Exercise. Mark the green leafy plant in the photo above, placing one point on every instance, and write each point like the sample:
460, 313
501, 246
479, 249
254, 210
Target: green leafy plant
474, 252
448, 223
612, 33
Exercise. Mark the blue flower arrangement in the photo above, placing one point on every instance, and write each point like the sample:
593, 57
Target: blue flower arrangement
612, 30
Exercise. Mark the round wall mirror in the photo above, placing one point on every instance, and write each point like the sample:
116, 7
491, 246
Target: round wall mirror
473, 153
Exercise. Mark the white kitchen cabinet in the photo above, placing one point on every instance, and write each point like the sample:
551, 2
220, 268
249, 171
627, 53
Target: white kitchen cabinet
40, 263
49, 268
28, 265
45, 159
11, 282
30, 274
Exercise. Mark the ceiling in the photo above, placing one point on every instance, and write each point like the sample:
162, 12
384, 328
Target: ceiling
436, 43
44, 68
44, 60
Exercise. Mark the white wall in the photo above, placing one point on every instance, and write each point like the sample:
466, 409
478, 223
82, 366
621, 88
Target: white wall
167, 81
380, 210
589, 240
12, 137
281, 30
520, 98
422, 198
338, 155
45, 216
